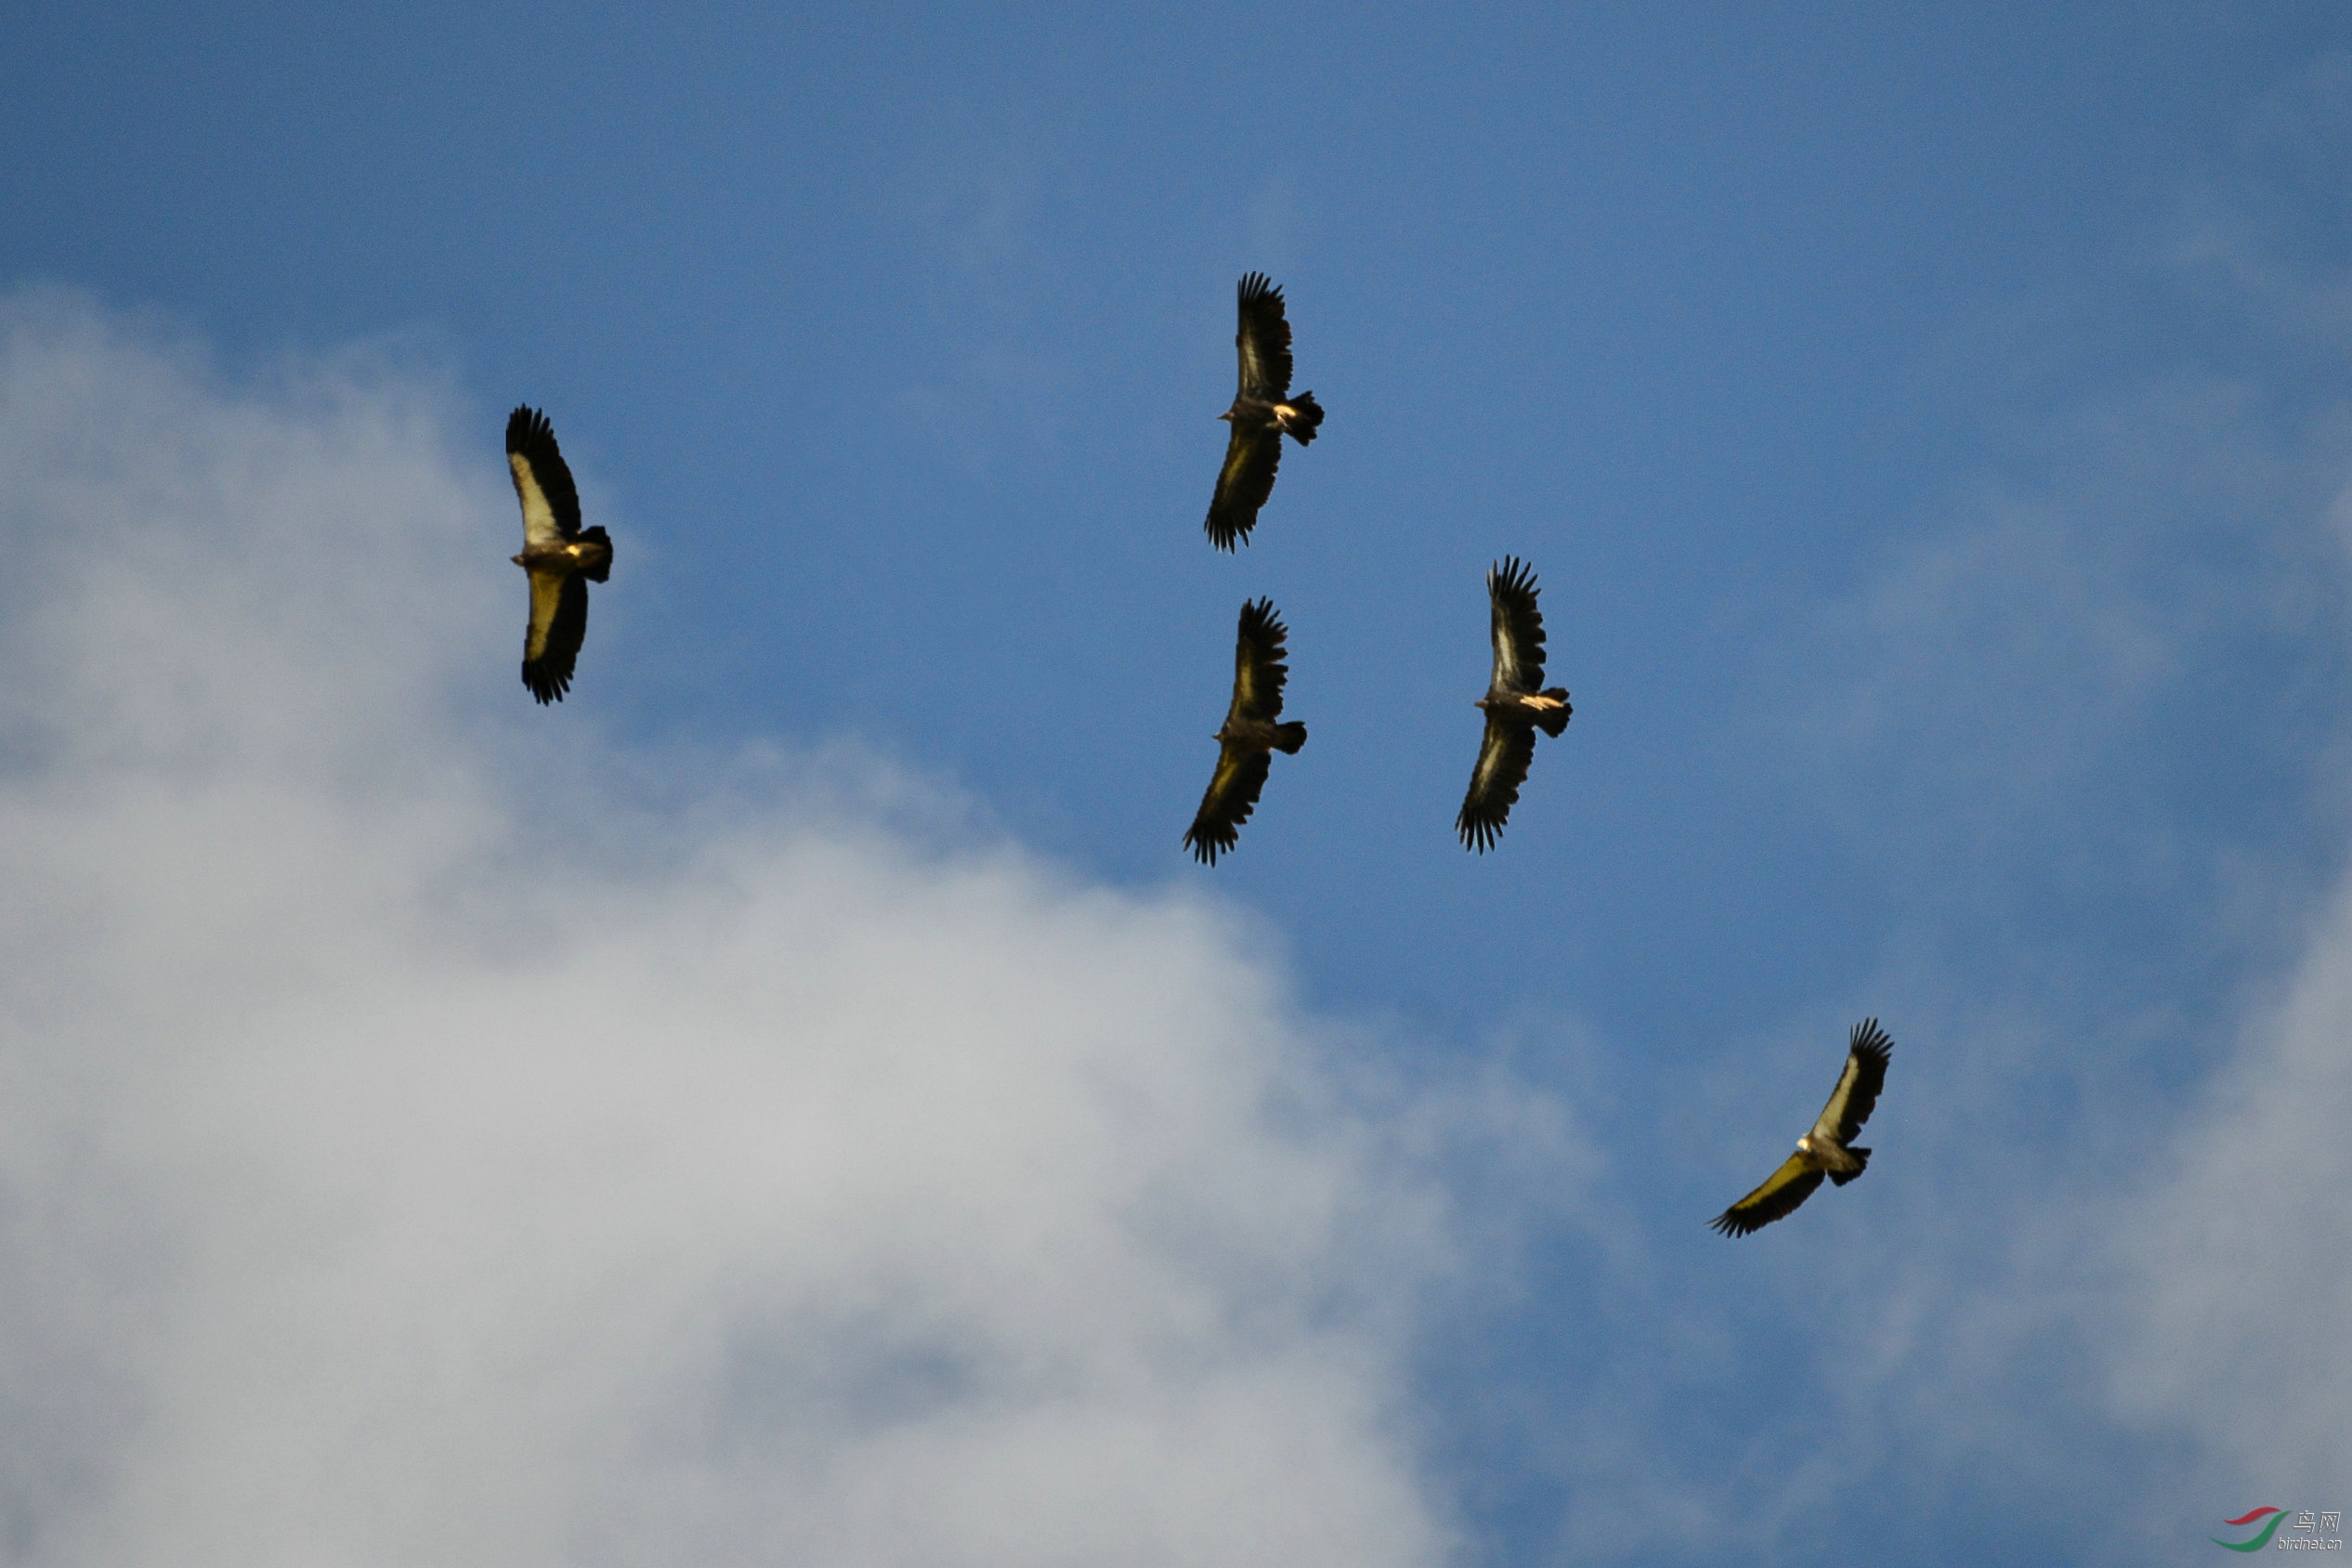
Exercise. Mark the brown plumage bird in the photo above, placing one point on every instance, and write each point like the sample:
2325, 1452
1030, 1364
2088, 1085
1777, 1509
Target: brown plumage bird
561, 560
1825, 1151
1262, 411
1248, 739
1516, 706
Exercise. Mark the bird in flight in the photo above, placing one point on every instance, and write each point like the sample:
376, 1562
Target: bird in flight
1263, 410
1516, 706
1248, 739
561, 559
1826, 1150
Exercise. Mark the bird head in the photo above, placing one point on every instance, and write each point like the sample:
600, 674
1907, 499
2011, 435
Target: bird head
1227, 417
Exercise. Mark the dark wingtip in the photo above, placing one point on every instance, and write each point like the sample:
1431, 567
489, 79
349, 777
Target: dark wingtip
1206, 846
1870, 1040
546, 689
527, 424
1512, 573
1258, 615
1256, 286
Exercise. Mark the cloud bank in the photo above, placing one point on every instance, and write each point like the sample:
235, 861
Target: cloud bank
423, 1140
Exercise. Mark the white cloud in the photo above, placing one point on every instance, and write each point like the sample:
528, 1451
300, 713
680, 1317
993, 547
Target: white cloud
391, 1174
2239, 1259
2233, 1248
2257, 235
2050, 642
2243, 1256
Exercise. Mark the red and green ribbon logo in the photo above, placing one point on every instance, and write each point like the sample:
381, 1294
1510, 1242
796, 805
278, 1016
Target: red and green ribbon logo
2259, 1541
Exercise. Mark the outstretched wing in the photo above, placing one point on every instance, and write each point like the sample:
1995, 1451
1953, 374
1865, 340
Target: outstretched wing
1856, 1095
1243, 485
1518, 627
1778, 1197
551, 503
1232, 795
1259, 672
1263, 338
558, 622
1503, 759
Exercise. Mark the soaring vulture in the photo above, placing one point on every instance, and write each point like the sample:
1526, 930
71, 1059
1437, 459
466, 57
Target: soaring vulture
1248, 739
561, 559
1262, 410
1825, 1151
1516, 706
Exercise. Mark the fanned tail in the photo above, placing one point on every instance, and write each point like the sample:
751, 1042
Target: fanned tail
1306, 417
1557, 719
601, 569
1289, 738
1862, 1163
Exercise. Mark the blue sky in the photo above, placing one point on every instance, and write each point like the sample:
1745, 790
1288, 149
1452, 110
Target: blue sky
1929, 428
